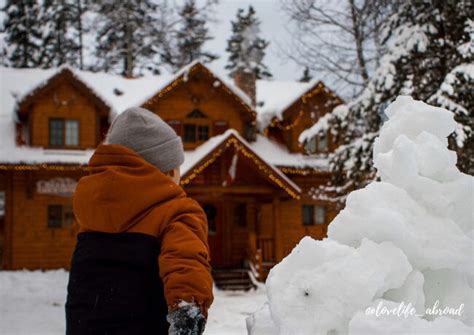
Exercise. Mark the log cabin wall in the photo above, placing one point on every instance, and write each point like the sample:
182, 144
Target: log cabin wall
299, 117
63, 100
34, 245
221, 111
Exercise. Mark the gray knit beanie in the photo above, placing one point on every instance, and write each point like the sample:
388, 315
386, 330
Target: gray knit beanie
149, 136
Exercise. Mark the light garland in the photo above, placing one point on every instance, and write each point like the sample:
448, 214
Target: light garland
180, 79
48, 167
240, 148
299, 171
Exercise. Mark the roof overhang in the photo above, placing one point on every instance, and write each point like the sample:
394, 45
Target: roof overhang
231, 139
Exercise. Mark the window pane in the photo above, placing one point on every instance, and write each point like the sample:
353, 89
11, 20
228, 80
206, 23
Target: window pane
310, 145
319, 215
189, 133
55, 216
307, 214
72, 132
323, 142
203, 133
56, 132
211, 214
68, 215
2, 204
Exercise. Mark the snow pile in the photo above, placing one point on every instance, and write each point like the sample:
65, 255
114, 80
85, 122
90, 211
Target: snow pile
398, 259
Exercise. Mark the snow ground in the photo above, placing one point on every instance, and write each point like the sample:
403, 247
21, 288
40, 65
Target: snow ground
32, 303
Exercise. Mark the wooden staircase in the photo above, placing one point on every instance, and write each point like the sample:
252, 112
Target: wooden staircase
233, 279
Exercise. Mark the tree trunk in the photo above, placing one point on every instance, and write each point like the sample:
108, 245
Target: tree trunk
79, 31
359, 41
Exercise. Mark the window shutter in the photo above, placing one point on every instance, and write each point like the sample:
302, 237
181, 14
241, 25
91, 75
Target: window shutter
220, 127
177, 126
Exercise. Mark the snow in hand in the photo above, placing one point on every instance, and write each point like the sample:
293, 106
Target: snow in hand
397, 256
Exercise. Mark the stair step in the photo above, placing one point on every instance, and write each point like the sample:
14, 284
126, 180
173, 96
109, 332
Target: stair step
232, 279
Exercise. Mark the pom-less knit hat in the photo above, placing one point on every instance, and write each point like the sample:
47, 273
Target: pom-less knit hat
149, 136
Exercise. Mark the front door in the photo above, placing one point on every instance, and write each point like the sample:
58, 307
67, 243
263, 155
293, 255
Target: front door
214, 215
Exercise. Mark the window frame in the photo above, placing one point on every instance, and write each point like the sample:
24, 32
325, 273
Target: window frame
64, 135
313, 214
49, 211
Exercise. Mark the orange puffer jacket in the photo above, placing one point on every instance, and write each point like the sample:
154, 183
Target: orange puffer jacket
126, 194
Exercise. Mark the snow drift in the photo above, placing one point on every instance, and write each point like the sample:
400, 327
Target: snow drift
402, 244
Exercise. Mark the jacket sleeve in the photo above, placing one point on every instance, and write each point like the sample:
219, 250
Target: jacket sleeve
184, 257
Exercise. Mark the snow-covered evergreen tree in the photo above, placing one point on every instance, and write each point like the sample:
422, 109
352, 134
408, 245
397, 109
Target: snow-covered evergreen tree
62, 33
428, 56
246, 48
22, 33
306, 77
186, 44
127, 35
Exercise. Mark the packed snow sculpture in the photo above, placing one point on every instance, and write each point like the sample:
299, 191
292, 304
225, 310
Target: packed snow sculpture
398, 259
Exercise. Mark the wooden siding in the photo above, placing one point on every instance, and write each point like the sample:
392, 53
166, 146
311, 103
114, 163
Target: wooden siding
63, 100
33, 245
199, 93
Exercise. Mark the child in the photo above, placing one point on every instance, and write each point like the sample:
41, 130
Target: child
141, 263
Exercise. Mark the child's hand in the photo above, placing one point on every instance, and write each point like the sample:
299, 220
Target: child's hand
186, 320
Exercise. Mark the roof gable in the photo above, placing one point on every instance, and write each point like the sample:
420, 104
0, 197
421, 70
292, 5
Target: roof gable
210, 151
279, 100
182, 76
65, 73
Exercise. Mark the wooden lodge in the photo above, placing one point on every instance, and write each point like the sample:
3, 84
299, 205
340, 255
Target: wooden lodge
243, 161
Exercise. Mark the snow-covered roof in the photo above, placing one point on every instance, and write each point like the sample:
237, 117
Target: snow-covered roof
278, 155
194, 159
274, 97
119, 93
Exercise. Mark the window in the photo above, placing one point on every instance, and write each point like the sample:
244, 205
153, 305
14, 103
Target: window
211, 214
55, 216
60, 216
323, 142
313, 214
72, 132
63, 132
318, 143
56, 132
203, 133
2, 204
189, 133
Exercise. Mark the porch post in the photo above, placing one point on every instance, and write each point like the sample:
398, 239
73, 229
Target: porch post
277, 229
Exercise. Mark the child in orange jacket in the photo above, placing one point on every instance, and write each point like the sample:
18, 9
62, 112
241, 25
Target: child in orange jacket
141, 263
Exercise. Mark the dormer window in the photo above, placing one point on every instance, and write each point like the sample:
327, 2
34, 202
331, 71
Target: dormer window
63, 132
317, 144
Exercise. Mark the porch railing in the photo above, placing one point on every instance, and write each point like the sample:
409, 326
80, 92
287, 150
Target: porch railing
261, 255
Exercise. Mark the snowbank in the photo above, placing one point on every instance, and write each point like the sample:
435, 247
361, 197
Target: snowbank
402, 244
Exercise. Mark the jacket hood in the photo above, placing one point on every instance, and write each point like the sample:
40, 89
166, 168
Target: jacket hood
121, 189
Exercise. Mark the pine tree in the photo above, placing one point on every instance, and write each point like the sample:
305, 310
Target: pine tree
187, 42
62, 43
307, 77
428, 56
245, 47
126, 37
23, 35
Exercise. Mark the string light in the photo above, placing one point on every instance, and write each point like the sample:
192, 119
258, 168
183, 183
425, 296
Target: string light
232, 141
48, 167
209, 74
302, 171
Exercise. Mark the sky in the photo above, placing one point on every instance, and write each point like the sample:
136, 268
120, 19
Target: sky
273, 23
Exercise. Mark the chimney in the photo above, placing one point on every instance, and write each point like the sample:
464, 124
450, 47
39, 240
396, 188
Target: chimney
246, 81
